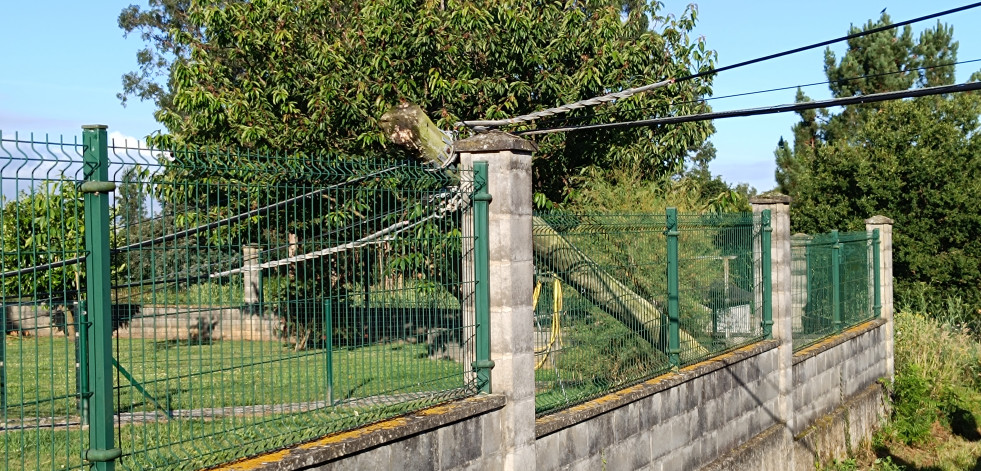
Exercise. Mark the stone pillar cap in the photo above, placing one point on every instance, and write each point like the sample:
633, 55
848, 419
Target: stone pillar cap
878, 220
770, 198
494, 141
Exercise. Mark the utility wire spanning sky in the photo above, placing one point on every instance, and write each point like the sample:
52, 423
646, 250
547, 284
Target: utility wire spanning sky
63, 61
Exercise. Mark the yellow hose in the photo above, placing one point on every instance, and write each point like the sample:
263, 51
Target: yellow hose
556, 334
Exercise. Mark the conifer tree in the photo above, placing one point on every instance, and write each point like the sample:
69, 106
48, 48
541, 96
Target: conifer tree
917, 161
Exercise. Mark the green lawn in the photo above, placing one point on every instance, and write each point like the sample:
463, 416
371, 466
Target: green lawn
210, 389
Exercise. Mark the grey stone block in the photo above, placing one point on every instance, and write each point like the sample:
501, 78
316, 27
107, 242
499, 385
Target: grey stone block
670, 403
626, 422
649, 412
628, 455
418, 452
550, 451
673, 434
682, 458
458, 444
491, 433
376, 458
600, 433
577, 442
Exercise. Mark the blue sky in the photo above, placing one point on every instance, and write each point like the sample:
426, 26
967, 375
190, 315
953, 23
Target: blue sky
63, 61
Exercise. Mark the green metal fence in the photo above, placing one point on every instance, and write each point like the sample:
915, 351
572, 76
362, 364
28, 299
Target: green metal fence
181, 309
622, 298
835, 283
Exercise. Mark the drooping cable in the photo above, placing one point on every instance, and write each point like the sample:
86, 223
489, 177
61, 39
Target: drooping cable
778, 89
483, 124
873, 98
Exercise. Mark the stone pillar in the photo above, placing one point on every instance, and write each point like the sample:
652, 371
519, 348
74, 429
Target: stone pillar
782, 300
884, 225
512, 283
251, 294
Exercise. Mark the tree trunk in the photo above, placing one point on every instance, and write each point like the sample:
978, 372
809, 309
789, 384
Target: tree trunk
602, 289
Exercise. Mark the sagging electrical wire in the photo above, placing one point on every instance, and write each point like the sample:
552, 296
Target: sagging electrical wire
873, 98
482, 125
572, 120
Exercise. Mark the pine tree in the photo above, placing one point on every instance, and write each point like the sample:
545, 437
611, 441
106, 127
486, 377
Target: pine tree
917, 161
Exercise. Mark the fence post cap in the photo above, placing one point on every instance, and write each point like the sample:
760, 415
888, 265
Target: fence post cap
95, 126
770, 198
878, 219
494, 141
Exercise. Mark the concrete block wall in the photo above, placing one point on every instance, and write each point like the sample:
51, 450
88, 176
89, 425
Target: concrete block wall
682, 420
828, 373
758, 407
838, 401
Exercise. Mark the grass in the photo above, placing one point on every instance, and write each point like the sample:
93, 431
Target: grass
369, 383
936, 398
387, 292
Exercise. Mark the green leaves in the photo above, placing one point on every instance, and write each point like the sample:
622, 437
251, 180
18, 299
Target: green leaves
915, 161
315, 75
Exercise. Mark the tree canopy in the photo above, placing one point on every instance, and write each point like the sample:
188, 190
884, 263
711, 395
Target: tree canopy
309, 76
917, 161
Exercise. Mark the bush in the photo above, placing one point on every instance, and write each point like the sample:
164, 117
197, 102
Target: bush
937, 373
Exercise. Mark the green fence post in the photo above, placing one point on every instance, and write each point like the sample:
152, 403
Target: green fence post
765, 245
877, 282
102, 452
481, 199
835, 282
674, 317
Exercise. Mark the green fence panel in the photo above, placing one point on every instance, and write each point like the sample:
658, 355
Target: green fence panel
834, 283
603, 307
722, 271
249, 302
41, 277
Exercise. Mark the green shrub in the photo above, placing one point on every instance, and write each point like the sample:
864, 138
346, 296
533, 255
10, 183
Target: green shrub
937, 366
914, 407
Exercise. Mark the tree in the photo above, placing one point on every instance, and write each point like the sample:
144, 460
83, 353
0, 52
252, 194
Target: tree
313, 75
916, 161
159, 26
41, 226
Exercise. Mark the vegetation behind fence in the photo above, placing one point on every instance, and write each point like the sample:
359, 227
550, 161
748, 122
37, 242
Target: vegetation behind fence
622, 298
835, 283
222, 304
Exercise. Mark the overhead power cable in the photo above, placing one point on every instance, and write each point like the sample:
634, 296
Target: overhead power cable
566, 108
830, 41
873, 98
778, 89
633, 91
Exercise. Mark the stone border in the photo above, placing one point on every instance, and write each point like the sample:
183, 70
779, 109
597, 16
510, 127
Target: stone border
566, 418
835, 340
342, 444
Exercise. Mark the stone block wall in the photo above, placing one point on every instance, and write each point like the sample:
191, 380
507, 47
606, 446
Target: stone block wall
682, 420
758, 407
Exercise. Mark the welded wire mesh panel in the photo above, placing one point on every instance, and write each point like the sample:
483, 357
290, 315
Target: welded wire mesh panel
41, 236
599, 317
601, 298
720, 283
262, 301
832, 284
857, 277
813, 287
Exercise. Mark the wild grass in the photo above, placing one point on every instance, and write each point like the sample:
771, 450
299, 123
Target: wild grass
936, 396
